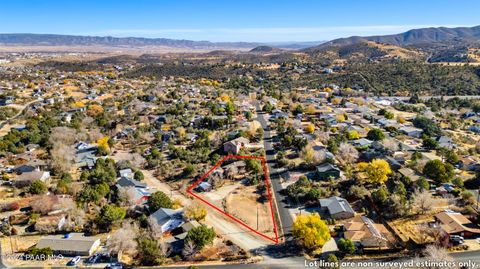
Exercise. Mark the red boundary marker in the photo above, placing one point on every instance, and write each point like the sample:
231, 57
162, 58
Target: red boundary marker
189, 191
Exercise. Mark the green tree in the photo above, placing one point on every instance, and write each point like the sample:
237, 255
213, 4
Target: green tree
346, 246
268, 107
150, 252
375, 135
438, 171
138, 175
201, 236
430, 143
333, 261
422, 184
38, 187
230, 108
159, 200
380, 195
110, 215
429, 127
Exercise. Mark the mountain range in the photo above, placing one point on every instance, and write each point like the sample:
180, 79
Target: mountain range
74, 40
442, 44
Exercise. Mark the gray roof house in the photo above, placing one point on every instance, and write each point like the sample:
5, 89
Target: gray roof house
166, 220
130, 182
337, 207
74, 244
411, 131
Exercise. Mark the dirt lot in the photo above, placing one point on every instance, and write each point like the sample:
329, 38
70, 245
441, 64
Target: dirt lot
243, 204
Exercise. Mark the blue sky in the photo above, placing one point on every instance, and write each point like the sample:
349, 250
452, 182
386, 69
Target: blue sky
233, 20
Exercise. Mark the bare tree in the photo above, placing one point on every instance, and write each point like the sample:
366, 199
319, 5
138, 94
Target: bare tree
346, 154
422, 201
63, 135
390, 144
189, 250
311, 156
63, 152
63, 157
124, 239
434, 253
44, 204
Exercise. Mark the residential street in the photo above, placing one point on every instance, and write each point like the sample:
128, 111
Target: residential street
282, 205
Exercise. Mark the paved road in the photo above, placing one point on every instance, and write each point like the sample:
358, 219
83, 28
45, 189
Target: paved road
281, 201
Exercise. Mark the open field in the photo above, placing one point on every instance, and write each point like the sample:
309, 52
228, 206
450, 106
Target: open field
243, 204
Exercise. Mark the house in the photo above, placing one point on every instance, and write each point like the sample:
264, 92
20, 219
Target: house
175, 242
362, 143
411, 131
137, 196
125, 182
468, 163
407, 172
445, 189
128, 173
455, 223
165, 220
25, 179
445, 142
6, 100
74, 244
50, 224
337, 207
30, 166
367, 234
327, 170
238, 167
235, 145
204, 187
85, 155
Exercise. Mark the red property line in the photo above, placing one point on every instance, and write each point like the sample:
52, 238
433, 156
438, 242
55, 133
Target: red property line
231, 217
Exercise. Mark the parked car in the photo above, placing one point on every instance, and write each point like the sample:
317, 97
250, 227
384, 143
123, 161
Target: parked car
457, 240
93, 258
74, 261
115, 265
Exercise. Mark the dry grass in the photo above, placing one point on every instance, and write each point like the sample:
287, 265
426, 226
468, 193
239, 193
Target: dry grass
243, 204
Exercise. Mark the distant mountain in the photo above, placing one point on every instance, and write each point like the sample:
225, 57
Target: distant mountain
71, 40
416, 37
265, 49
108, 41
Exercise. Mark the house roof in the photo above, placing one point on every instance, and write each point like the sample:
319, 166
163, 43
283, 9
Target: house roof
239, 140
362, 142
336, 205
34, 175
361, 227
325, 167
454, 222
130, 182
165, 215
76, 242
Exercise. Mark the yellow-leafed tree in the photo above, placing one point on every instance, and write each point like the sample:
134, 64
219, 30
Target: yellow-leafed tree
103, 146
311, 230
310, 109
225, 98
310, 128
94, 110
353, 134
377, 171
196, 211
